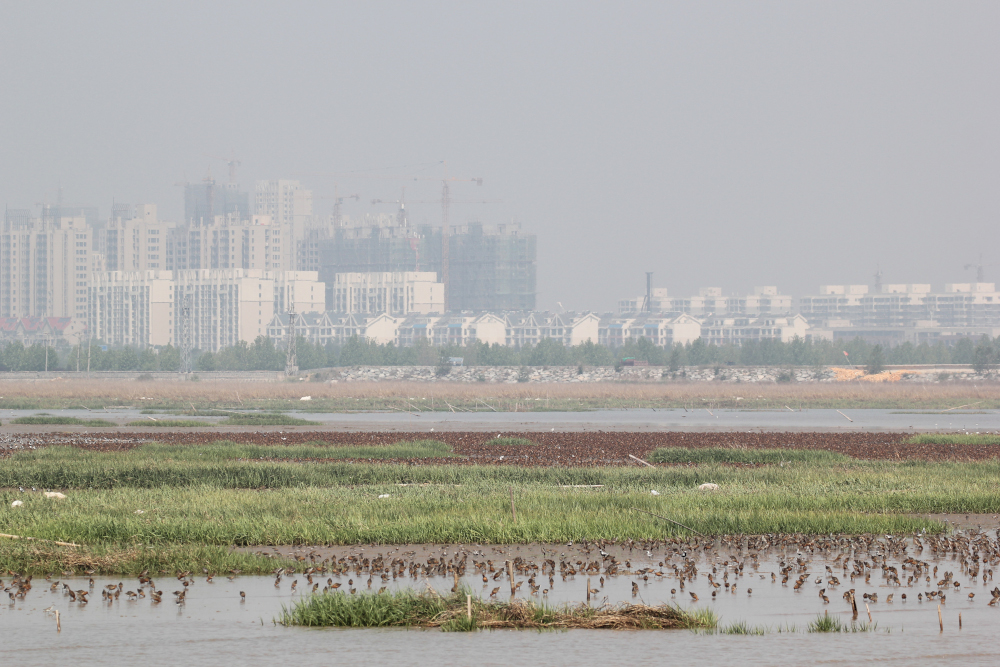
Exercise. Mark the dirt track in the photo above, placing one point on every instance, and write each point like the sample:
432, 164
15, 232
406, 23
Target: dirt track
559, 449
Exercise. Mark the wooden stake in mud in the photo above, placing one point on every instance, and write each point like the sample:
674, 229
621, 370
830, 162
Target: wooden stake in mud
468, 606
959, 621
512, 512
38, 539
641, 461
940, 619
510, 576
588, 590
58, 622
455, 588
868, 609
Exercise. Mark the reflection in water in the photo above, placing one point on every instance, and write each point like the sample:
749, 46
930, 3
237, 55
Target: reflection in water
779, 585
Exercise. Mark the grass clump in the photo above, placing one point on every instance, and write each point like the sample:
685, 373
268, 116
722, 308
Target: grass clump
265, 419
743, 628
954, 439
61, 421
827, 623
510, 442
745, 456
451, 613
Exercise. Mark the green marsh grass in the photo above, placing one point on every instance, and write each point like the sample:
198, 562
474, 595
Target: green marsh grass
61, 421
743, 628
744, 455
826, 623
267, 419
955, 439
451, 613
181, 498
166, 423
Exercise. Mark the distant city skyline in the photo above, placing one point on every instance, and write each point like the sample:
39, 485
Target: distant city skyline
713, 143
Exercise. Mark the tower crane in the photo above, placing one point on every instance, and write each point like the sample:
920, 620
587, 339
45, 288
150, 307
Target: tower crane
980, 269
446, 201
231, 162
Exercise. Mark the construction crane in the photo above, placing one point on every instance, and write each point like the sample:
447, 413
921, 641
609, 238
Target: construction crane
337, 201
445, 201
980, 269
232, 162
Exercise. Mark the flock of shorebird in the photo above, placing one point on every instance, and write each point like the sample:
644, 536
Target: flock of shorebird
902, 564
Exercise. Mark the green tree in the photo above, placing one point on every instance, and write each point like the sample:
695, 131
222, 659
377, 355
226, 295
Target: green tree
876, 361
984, 357
207, 362
169, 358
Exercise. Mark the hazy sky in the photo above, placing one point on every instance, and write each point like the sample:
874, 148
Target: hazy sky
730, 144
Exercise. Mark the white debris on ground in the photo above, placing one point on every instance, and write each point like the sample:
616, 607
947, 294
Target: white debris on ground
17, 503
708, 487
55, 495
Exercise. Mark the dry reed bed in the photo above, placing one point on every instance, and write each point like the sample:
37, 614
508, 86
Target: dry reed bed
752, 396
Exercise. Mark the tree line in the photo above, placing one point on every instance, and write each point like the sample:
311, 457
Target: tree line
264, 355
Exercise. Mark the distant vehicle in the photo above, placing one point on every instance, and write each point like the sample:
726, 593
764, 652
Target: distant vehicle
456, 361
632, 361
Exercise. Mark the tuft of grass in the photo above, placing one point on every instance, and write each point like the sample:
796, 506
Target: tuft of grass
510, 442
61, 421
743, 628
266, 419
450, 613
744, 455
954, 439
826, 623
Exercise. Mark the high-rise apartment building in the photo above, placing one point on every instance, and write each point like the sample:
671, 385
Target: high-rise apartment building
208, 309
138, 243
399, 293
289, 206
45, 265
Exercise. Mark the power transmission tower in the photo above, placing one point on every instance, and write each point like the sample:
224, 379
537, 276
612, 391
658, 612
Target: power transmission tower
291, 363
186, 335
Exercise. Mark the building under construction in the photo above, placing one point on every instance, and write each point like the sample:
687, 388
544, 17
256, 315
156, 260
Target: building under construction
483, 268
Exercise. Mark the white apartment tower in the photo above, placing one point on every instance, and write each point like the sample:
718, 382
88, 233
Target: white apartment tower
289, 206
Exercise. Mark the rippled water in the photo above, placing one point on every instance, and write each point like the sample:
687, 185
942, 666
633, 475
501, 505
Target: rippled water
214, 626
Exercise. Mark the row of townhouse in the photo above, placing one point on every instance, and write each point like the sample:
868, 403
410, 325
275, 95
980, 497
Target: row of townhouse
452, 329
521, 329
42, 330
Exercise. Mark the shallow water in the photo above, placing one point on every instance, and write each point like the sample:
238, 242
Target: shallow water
213, 626
603, 420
